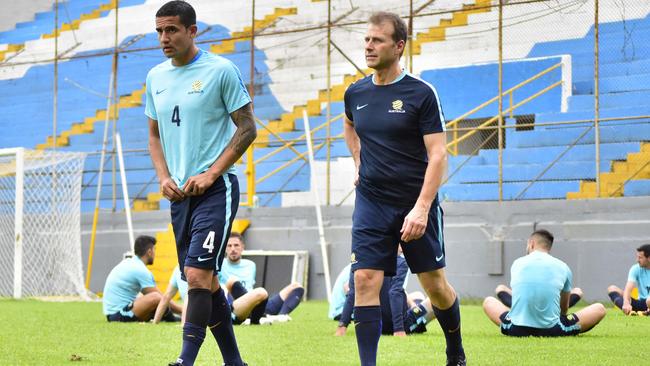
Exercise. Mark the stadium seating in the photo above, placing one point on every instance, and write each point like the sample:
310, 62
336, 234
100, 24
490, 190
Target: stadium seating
290, 77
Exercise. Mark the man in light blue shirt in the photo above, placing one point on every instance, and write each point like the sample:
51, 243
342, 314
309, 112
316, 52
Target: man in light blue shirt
128, 279
200, 123
541, 288
238, 276
638, 277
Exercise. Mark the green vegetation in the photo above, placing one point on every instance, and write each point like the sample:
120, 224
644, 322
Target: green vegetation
75, 333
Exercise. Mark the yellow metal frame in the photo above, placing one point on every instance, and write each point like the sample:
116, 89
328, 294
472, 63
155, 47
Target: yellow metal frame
452, 146
252, 181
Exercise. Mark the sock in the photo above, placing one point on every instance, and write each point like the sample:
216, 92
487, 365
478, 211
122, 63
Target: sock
238, 290
292, 300
616, 298
367, 325
169, 316
505, 298
198, 312
573, 299
274, 305
221, 327
449, 320
258, 312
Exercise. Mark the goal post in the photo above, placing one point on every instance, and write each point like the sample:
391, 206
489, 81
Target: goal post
277, 268
40, 241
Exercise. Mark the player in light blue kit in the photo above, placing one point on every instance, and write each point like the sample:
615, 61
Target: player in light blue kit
638, 277
339, 293
200, 122
238, 275
129, 278
541, 287
176, 285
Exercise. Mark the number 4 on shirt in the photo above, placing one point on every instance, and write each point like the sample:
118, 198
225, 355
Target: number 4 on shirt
176, 116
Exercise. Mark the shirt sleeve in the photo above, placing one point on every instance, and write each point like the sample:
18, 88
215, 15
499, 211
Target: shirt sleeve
173, 282
346, 314
253, 274
150, 108
233, 91
397, 295
346, 104
568, 285
145, 279
431, 118
633, 274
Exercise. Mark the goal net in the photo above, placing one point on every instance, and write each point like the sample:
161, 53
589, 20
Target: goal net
40, 243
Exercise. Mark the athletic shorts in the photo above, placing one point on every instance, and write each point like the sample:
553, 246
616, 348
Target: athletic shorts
376, 233
414, 321
639, 304
125, 315
568, 326
202, 224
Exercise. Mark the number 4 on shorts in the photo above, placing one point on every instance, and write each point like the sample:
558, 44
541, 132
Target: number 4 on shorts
209, 242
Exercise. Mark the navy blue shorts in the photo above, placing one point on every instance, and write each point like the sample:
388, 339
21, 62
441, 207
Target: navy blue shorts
124, 316
568, 326
202, 224
415, 321
375, 236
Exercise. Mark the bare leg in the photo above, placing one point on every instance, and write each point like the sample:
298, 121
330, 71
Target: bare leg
145, 306
590, 316
493, 309
244, 305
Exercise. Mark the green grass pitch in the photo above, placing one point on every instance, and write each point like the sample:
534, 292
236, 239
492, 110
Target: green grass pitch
46, 333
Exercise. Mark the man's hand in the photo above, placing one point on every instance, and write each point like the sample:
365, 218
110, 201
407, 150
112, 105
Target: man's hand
399, 334
171, 191
340, 331
627, 308
356, 176
198, 184
415, 223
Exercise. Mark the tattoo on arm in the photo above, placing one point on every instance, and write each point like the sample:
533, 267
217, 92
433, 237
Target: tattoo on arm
246, 131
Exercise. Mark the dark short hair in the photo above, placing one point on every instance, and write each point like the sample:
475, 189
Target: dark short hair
185, 12
237, 235
142, 244
645, 248
400, 31
543, 237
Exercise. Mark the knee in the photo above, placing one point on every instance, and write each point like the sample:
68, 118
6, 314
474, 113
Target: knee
231, 281
198, 278
613, 288
488, 301
294, 285
599, 310
437, 289
364, 281
260, 294
501, 288
577, 291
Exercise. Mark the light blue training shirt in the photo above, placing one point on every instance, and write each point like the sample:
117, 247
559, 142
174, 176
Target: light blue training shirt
245, 271
192, 104
641, 277
537, 280
124, 283
338, 293
177, 282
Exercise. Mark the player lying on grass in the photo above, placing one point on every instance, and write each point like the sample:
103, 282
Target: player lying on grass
129, 278
639, 277
401, 314
541, 288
